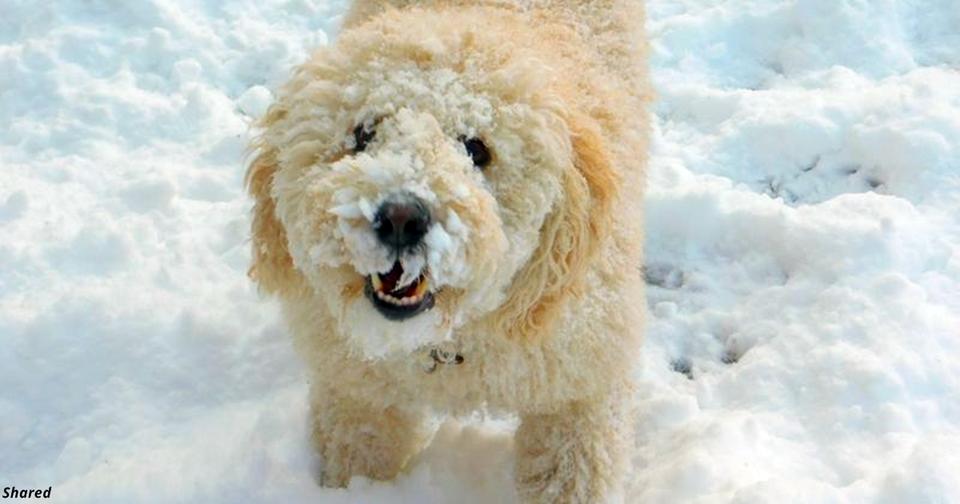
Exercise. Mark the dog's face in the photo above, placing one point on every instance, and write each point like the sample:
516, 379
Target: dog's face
419, 176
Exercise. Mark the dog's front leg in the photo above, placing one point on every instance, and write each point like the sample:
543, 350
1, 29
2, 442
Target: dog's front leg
356, 438
575, 454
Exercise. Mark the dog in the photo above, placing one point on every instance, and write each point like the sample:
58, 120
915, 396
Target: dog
448, 203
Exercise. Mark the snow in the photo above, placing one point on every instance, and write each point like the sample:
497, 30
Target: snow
803, 260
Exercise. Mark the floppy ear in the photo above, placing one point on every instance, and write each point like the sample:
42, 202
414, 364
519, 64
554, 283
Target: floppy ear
569, 239
272, 267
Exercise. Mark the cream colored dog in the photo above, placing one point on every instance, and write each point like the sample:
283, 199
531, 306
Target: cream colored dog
449, 206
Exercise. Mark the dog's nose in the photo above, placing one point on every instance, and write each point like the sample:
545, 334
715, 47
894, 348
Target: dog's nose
402, 223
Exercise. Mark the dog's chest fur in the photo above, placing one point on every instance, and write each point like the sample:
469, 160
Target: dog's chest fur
480, 369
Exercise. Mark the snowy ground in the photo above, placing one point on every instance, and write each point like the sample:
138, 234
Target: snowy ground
803, 255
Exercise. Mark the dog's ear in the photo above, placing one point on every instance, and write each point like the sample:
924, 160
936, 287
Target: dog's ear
569, 239
272, 267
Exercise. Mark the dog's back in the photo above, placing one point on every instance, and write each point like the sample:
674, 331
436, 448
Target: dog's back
613, 27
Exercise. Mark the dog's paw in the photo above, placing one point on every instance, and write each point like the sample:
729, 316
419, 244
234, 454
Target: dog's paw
333, 478
353, 440
576, 455
379, 457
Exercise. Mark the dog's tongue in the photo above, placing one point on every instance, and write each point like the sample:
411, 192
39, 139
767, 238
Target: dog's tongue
392, 277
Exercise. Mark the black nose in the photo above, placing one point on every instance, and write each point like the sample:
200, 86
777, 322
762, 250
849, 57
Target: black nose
402, 223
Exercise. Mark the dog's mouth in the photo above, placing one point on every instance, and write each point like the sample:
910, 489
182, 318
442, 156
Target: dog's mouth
397, 302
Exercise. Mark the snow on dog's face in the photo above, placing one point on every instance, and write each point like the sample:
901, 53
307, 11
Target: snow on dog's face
415, 178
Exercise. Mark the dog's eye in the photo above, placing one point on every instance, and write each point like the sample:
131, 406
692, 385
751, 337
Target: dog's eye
361, 137
478, 151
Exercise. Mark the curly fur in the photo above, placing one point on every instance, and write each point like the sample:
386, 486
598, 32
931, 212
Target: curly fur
535, 259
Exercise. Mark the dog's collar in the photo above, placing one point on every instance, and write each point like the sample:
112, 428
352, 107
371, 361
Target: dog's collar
433, 357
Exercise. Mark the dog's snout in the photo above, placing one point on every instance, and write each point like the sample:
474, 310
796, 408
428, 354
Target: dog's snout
403, 223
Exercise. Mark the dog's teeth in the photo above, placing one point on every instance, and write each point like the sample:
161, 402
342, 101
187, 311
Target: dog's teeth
390, 299
417, 296
421, 288
410, 300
